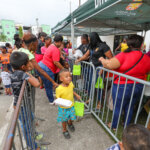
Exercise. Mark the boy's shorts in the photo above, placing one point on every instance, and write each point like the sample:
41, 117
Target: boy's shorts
7, 86
66, 114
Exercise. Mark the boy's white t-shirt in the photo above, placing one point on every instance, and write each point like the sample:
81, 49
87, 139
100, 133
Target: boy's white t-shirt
6, 78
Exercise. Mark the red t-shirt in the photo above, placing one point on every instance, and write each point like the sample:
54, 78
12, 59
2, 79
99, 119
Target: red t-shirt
127, 60
52, 54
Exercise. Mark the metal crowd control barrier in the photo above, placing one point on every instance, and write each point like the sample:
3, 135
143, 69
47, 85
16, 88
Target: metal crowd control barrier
22, 129
84, 82
113, 105
116, 104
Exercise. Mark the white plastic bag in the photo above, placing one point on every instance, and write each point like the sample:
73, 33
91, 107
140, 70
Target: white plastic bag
62, 102
78, 54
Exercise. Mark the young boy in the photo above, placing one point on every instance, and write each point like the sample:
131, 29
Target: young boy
135, 137
5, 75
65, 91
20, 63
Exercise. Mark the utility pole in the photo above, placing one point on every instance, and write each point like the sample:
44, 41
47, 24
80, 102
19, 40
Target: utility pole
72, 27
37, 24
79, 3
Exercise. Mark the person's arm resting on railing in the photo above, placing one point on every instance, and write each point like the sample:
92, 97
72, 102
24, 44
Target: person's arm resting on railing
32, 80
111, 64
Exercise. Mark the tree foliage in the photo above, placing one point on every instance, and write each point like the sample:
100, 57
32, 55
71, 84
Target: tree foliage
3, 38
20, 32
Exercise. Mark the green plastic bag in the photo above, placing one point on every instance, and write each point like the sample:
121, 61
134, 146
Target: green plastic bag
148, 77
79, 109
77, 70
99, 83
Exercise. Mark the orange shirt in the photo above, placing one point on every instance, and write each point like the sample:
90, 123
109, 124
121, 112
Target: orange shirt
4, 57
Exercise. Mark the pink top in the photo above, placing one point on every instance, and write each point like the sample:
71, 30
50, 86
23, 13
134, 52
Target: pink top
51, 55
67, 52
43, 50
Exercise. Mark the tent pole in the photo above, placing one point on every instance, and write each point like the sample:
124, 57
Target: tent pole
72, 34
145, 31
144, 34
72, 27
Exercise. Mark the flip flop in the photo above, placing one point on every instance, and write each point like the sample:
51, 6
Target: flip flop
109, 126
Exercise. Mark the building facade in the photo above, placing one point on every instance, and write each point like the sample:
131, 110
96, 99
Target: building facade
8, 29
46, 29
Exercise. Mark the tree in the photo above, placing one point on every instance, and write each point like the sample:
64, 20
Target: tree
20, 32
3, 37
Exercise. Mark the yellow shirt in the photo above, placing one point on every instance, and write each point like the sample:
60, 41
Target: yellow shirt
65, 93
124, 46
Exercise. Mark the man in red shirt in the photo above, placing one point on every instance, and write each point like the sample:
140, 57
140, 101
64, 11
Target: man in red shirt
50, 64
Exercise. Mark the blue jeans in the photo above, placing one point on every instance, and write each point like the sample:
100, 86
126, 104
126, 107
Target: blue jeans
88, 74
88, 78
126, 101
99, 91
26, 121
47, 84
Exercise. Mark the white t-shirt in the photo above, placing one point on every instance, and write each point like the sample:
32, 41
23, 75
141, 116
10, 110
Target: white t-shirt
5, 78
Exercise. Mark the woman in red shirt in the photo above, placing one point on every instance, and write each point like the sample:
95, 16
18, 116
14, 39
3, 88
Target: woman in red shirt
123, 63
50, 64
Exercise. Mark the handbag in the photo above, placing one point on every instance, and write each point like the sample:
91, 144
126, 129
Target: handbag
148, 77
99, 84
79, 109
77, 70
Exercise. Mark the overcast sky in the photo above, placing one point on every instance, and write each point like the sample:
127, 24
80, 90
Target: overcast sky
26, 11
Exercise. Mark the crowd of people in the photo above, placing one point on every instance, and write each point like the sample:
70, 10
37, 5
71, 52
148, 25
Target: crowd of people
49, 58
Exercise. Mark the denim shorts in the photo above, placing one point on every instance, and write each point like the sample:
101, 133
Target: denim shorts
7, 86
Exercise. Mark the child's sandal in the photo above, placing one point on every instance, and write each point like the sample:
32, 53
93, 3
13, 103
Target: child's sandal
71, 127
66, 135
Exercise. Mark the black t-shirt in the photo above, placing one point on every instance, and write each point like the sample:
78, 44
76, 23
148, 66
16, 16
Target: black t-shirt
98, 52
40, 44
84, 48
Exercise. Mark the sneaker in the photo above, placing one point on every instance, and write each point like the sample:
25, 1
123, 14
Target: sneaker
71, 127
51, 103
66, 135
39, 136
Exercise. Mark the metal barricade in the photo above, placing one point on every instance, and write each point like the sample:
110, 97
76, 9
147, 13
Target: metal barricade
113, 105
21, 134
118, 101
84, 82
